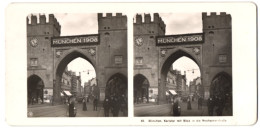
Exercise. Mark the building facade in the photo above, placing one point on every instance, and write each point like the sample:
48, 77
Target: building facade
211, 50
48, 55
66, 80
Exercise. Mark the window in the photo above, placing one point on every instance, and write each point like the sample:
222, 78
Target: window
34, 61
222, 58
118, 59
139, 61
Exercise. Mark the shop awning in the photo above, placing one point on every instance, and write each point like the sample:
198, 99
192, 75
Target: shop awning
67, 93
61, 94
171, 92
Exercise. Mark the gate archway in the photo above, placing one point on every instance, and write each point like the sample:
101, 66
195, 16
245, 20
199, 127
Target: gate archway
35, 87
62, 63
167, 62
116, 86
221, 92
141, 89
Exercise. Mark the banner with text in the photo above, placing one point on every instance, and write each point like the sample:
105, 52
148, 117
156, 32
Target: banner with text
179, 39
75, 40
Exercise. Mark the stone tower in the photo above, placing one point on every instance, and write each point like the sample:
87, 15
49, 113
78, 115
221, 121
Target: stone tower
217, 48
39, 51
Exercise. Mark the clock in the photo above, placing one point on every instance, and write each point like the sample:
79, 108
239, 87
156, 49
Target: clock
34, 42
138, 41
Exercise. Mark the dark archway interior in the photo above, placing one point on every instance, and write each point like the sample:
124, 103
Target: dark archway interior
35, 87
221, 92
116, 86
141, 89
60, 69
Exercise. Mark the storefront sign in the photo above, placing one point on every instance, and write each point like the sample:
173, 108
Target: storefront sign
75, 40
180, 39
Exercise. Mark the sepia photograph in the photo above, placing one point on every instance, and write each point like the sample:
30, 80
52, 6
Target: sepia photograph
183, 64
140, 64
77, 65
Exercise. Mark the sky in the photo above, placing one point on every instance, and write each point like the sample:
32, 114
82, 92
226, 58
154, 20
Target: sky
176, 23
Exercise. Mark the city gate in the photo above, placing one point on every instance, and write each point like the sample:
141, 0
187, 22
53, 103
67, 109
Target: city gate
48, 53
211, 50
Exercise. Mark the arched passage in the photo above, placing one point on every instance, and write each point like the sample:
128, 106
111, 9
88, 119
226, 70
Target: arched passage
35, 87
167, 63
141, 89
61, 67
116, 86
221, 92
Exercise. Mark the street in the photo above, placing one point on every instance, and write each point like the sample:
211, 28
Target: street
152, 109
61, 111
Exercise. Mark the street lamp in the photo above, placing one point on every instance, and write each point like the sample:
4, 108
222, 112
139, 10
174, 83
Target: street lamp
190, 70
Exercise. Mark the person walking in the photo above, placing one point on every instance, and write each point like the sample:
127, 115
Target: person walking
176, 108
220, 105
111, 104
210, 105
106, 106
123, 105
189, 104
200, 103
84, 104
116, 107
95, 103
72, 107
87, 99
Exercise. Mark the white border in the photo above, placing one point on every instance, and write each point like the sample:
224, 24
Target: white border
243, 45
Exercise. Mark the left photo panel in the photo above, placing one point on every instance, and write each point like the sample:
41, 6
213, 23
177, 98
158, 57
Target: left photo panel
77, 65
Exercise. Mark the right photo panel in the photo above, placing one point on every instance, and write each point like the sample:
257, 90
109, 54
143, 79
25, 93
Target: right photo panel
183, 64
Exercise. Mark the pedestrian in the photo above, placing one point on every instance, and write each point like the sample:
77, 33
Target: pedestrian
176, 108
210, 105
220, 106
84, 105
189, 104
87, 99
116, 107
95, 103
32, 100
200, 103
139, 100
123, 105
111, 104
72, 108
106, 106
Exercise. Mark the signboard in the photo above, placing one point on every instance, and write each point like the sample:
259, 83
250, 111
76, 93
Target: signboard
179, 39
75, 40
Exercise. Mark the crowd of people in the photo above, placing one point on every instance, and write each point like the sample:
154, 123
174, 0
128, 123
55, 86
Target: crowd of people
114, 104
214, 104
